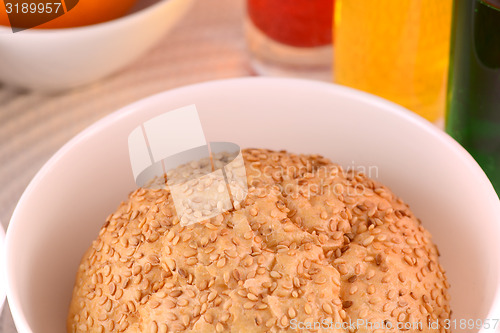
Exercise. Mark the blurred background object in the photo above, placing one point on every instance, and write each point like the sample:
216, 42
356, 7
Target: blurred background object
395, 49
77, 13
290, 37
54, 60
473, 113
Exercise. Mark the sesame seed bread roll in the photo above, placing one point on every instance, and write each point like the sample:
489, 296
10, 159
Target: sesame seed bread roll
312, 248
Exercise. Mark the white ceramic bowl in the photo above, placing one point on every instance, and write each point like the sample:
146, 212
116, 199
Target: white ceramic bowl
66, 204
57, 59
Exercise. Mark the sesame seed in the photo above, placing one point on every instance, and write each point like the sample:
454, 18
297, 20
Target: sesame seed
368, 240
408, 260
153, 260
284, 321
175, 293
320, 279
371, 289
342, 269
182, 302
327, 308
253, 211
190, 253
248, 305
221, 262
275, 275
163, 328
346, 304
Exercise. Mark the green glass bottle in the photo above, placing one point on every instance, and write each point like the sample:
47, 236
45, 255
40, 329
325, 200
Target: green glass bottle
473, 108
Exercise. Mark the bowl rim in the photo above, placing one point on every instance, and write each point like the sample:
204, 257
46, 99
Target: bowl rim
391, 108
87, 28
3, 265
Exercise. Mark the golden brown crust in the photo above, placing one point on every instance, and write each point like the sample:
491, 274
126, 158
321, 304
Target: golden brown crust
310, 243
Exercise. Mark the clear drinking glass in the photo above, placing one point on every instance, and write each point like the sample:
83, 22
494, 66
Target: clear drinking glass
290, 37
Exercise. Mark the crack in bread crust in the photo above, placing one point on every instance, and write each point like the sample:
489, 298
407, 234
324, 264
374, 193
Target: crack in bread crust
306, 246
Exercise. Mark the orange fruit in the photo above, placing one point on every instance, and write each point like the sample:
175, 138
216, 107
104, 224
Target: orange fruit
86, 12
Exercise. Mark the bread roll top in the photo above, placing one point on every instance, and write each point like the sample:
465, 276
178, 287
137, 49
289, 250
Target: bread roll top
312, 247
